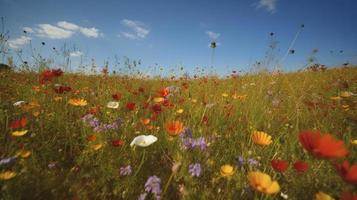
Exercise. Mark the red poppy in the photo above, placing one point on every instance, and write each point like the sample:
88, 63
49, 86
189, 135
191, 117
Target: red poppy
164, 92
116, 96
91, 137
141, 89
48, 75
62, 89
130, 105
280, 165
167, 103
205, 120
346, 195
156, 108
322, 146
19, 123
117, 143
347, 172
301, 166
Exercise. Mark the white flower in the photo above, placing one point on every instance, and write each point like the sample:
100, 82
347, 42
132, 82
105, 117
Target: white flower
113, 104
143, 140
284, 196
18, 103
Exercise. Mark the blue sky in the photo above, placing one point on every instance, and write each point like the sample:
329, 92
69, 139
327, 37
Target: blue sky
177, 33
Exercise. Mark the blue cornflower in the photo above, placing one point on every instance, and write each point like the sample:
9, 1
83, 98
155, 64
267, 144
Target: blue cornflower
195, 169
125, 171
153, 185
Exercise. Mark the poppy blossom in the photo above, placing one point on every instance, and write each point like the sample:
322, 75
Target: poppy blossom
7, 175
91, 137
19, 123
117, 143
164, 92
156, 108
62, 89
227, 170
143, 140
301, 166
174, 128
347, 172
262, 182
116, 96
280, 165
322, 146
19, 133
348, 196
130, 105
77, 102
323, 196
262, 138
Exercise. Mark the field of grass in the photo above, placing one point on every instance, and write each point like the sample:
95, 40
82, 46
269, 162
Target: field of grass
81, 149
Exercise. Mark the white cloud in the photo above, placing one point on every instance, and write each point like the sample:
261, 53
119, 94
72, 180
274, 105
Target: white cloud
53, 32
15, 43
212, 35
138, 29
76, 53
28, 29
269, 5
62, 30
89, 32
68, 25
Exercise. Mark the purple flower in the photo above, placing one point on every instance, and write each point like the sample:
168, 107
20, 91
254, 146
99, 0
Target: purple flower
240, 161
125, 171
153, 185
252, 162
6, 161
195, 169
200, 143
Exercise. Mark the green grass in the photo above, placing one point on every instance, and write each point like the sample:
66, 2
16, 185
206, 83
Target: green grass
281, 105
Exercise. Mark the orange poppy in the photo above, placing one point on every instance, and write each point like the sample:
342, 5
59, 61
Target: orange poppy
322, 146
174, 128
347, 172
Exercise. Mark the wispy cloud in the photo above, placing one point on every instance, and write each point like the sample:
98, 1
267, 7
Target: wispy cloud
16, 43
269, 5
88, 32
212, 35
138, 29
76, 53
52, 32
62, 30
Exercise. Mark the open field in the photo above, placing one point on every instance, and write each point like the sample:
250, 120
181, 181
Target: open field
205, 142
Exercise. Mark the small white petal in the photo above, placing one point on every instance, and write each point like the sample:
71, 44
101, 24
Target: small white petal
18, 103
143, 140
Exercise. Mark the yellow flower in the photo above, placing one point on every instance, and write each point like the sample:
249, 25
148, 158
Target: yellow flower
346, 94
158, 99
227, 170
335, 98
96, 147
179, 111
262, 182
19, 133
262, 138
36, 114
354, 142
7, 175
239, 97
77, 102
23, 153
224, 95
57, 98
194, 100
323, 196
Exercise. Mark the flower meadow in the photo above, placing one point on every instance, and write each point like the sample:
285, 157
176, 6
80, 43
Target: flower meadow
252, 136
